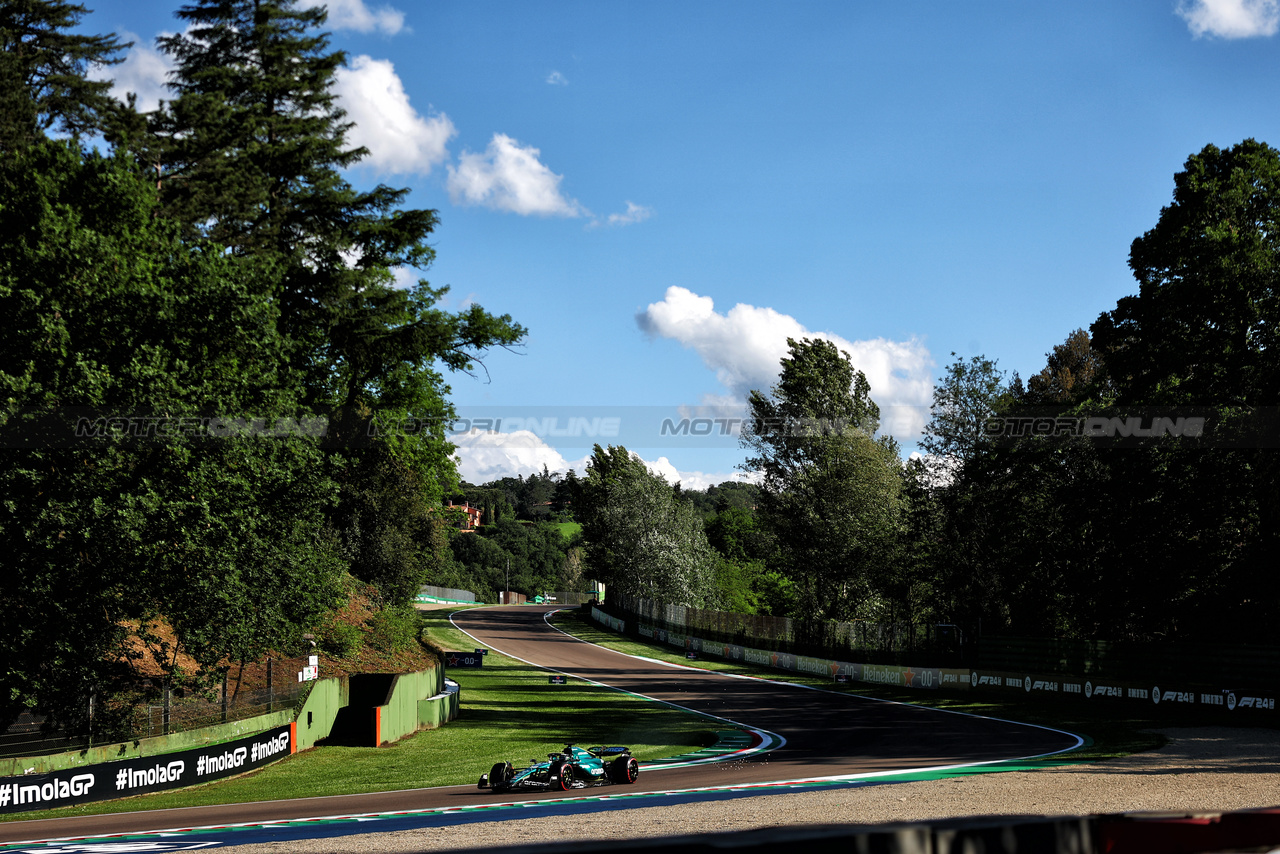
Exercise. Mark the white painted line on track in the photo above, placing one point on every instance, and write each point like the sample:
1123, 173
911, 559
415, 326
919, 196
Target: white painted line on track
1079, 741
765, 736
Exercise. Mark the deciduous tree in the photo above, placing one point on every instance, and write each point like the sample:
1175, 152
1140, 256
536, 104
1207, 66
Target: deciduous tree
641, 539
830, 489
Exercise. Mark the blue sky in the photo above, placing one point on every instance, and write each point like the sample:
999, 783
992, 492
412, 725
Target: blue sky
663, 192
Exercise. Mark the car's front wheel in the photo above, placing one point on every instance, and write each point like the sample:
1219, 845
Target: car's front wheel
498, 776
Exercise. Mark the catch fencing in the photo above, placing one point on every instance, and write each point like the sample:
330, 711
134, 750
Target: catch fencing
432, 593
260, 689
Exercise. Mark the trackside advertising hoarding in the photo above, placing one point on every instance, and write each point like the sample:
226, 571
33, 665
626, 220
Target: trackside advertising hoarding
612, 622
150, 774
1166, 697
1111, 691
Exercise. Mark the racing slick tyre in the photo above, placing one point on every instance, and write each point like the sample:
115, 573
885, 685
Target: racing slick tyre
499, 777
562, 776
624, 769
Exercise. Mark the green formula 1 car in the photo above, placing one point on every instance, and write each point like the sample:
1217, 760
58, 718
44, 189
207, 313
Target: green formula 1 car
571, 768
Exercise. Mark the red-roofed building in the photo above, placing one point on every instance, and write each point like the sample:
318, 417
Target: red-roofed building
473, 515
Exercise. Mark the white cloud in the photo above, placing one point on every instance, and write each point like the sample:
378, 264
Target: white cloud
555, 78
665, 469
509, 177
404, 278
634, 213
745, 346
399, 140
1231, 19
484, 456
144, 72
355, 15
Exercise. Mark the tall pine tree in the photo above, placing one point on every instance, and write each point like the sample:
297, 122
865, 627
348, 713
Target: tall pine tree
250, 153
43, 72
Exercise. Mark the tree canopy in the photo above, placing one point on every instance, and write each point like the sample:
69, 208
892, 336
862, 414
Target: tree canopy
214, 268
641, 539
829, 488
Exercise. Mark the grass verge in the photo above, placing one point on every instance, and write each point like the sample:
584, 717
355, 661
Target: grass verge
509, 712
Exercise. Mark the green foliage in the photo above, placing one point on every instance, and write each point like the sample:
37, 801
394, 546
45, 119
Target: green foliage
737, 534
775, 595
250, 152
1202, 326
1163, 538
543, 496
396, 628
106, 536
830, 490
384, 523
963, 400
255, 284
1073, 374
338, 639
641, 539
43, 72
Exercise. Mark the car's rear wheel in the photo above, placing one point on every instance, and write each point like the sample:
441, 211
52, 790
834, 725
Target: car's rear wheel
624, 769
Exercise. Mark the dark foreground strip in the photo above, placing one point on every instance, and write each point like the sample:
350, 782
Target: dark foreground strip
1113, 834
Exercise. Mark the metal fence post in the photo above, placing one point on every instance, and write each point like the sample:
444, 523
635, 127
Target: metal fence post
168, 706
270, 688
224, 698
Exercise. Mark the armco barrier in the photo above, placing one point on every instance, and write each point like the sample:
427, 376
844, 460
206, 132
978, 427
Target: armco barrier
432, 593
608, 620
881, 674
1249, 668
1161, 698
149, 774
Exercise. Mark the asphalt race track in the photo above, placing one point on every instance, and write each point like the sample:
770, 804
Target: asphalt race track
827, 734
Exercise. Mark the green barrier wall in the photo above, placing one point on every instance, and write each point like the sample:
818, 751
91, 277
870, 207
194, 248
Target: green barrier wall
417, 701
315, 720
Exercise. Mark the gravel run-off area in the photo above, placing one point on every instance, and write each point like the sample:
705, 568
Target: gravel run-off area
1204, 769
